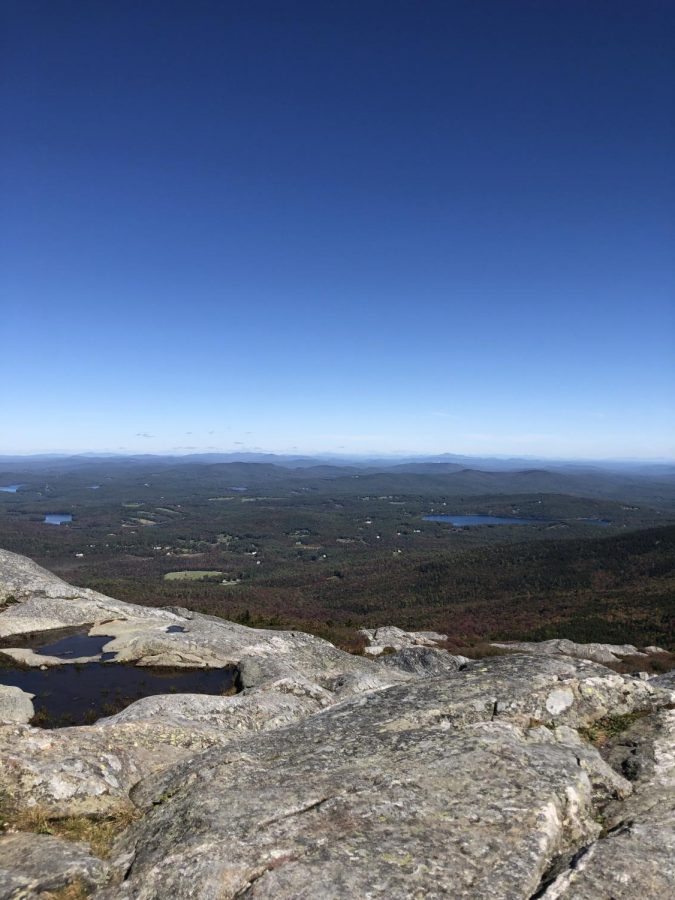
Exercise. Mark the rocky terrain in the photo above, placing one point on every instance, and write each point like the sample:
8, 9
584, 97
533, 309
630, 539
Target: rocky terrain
405, 773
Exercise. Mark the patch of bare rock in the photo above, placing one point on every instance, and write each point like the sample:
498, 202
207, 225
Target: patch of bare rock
601, 653
416, 774
390, 638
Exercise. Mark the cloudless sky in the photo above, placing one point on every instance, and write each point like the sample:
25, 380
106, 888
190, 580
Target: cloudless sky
348, 226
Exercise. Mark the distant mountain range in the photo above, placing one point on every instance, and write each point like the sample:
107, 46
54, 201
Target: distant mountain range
441, 464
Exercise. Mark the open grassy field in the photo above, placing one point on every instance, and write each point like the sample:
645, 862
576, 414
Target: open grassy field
192, 575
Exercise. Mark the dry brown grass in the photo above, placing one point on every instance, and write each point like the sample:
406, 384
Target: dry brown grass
479, 650
655, 664
98, 833
76, 890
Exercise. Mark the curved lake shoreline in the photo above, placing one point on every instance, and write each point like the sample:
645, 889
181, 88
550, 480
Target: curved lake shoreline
467, 521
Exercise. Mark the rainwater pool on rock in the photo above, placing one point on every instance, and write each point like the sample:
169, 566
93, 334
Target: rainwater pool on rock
486, 520
64, 643
81, 693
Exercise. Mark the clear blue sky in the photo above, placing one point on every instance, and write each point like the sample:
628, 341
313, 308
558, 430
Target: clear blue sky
349, 226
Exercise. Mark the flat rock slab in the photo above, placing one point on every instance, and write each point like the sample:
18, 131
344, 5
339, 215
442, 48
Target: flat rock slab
74, 771
442, 787
89, 770
32, 864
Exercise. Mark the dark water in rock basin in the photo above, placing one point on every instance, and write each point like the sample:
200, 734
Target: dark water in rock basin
64, 643
77, 645
79, 694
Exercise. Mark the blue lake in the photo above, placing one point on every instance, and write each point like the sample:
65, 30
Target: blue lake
505, 520
10, 488
58, 518
486, 520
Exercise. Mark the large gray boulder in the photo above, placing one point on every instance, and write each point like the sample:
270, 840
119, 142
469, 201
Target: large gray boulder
667, 680
389, 637
37, 600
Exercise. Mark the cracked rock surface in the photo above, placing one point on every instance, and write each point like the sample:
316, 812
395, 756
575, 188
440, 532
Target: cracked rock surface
636, 858
423, 661
445, 786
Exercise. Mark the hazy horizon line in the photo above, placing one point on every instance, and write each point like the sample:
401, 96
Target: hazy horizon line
329, 454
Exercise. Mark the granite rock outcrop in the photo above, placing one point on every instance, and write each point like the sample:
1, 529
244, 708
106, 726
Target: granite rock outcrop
413, 774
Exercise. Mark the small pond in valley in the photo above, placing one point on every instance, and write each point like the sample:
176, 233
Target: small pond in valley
486, 520
10, 488
57, 518
460, 521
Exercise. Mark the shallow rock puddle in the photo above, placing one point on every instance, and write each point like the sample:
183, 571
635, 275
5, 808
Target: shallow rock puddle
80, 693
